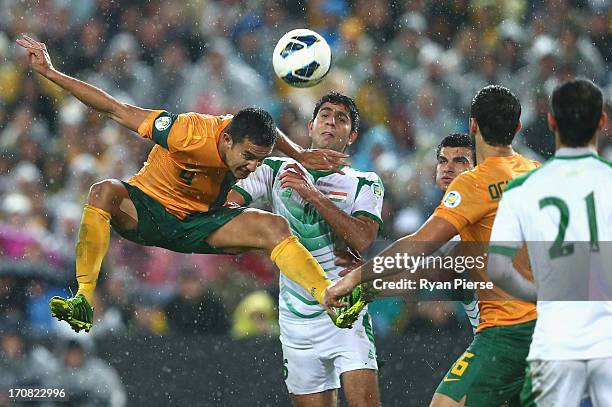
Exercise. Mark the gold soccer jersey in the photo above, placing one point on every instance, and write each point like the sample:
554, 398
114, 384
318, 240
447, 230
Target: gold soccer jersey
184, 171
470, 204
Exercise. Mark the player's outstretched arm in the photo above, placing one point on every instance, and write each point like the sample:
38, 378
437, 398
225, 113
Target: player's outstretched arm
311, 159
123, 113
430, 237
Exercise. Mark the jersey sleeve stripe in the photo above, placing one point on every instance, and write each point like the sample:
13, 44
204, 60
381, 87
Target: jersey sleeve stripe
503, 250
161, 136
247, 197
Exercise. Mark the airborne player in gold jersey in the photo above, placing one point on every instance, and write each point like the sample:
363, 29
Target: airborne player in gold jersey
176, 199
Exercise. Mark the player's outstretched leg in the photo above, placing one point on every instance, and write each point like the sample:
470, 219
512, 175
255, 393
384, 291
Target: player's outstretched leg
104, 200
263, 230
76, 311
256, 229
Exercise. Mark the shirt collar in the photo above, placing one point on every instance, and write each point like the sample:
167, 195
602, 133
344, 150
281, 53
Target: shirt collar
573, 151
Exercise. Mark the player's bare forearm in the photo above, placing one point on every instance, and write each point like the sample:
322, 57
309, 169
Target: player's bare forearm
86, 93
358, 232
430, 237
287, 146
40, 61
312, 159
124, 114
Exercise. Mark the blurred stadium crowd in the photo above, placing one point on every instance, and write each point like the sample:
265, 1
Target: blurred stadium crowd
413, 67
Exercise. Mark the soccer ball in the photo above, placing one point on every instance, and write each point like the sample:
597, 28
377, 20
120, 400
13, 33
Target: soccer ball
302, 58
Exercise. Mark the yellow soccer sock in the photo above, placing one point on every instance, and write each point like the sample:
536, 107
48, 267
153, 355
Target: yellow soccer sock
94, 236
297, 263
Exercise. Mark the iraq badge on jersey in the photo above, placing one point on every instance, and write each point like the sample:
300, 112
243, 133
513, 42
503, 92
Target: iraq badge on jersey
452, 199
337, 196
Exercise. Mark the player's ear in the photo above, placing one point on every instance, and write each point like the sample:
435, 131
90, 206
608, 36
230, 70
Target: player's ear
519, 126
309, 125
473, 126
352, 137
227, 139
552, 123
602, 121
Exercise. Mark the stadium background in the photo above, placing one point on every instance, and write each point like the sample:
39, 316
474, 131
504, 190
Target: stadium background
201, 330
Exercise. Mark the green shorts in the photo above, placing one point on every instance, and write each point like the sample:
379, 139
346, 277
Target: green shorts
492, 369
158, 227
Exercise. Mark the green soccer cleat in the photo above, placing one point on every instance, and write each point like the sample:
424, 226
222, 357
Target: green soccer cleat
76, 311
356, 302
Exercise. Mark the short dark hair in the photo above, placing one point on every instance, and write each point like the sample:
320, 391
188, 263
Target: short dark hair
340, 99
497, 111
253, 124
576, 106
457, 140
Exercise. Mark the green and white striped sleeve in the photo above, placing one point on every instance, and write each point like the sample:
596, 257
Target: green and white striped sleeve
258, 185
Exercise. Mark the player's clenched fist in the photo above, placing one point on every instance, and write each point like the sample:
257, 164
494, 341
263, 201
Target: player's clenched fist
339, 288
38, 55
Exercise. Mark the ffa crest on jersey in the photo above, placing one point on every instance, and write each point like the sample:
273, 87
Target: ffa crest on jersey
162, 123
452, 199
377, 189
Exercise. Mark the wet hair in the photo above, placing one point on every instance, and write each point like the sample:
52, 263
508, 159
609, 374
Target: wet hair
497, 111
577, 107
253, 124
457, 140
340, 99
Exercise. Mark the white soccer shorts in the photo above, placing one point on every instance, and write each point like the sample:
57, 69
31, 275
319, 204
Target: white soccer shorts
316, 353
562, 383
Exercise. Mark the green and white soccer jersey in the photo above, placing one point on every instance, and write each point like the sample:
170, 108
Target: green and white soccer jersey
563, 210
356, 193
315, 351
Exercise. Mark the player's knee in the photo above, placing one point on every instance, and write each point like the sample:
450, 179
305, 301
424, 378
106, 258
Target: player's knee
102, 194
276, 228
280, 226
